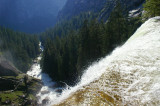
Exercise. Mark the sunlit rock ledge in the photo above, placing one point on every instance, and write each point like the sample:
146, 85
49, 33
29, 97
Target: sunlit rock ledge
129, 76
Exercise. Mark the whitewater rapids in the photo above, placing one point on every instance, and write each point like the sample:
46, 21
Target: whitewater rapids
128, 76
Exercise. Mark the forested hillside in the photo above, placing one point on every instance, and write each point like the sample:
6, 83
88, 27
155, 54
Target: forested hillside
102, 7
19, 48
151, 8
66, 56
63, 28
75, 7
88, 56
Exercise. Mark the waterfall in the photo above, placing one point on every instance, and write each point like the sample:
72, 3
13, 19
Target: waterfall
130, 75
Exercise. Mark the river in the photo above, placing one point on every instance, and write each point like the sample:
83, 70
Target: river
48, 85
130, 75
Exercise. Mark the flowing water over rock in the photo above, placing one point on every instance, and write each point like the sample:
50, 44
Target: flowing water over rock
48, 84
128, 76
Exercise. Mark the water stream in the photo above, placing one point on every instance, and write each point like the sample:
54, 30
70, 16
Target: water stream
48, 84
128, 76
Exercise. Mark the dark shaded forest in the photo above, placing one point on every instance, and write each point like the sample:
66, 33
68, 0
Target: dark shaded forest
73, 44
71, 47
19, 48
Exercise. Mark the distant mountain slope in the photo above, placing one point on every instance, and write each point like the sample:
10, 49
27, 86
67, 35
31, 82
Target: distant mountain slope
29, 15
134, 6
74, 7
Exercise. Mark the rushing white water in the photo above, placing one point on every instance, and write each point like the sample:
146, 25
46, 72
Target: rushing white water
36, 72
132, 72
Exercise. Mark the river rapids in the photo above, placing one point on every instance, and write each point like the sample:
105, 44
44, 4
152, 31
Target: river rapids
130, 75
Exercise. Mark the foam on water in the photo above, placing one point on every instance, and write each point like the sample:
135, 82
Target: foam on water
136, 65
131, 72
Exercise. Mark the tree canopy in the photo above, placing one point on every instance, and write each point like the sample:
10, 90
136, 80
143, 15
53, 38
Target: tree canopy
152, 8
19, 48
66, 56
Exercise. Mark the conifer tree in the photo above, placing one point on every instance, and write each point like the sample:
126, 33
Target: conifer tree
66, 56
152, 8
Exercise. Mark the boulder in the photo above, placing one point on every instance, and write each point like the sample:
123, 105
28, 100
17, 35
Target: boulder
7, 68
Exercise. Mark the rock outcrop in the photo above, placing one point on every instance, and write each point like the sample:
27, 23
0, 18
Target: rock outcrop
17, 88
103, 7
7, 68
134, 6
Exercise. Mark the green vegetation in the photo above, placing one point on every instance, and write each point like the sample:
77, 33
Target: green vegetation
63, 28
17, 93
152, 8
12, 96
65, 57
19, 48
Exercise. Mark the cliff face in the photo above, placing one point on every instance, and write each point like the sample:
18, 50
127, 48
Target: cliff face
7, 68
74, 7
134, 7
103, 7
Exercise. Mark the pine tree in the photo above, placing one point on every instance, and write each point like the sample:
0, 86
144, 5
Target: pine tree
21, 48
152, 8
84, 47
117, 29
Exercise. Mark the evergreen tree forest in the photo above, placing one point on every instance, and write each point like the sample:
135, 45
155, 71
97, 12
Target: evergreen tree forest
19, 48
64, 27
152, 8
67, 54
